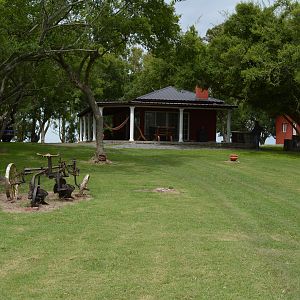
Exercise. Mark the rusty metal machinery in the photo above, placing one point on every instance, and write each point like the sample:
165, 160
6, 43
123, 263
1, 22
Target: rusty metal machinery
36, 194
11, 181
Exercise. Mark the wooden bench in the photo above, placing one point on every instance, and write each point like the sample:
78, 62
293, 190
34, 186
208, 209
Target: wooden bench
167, 132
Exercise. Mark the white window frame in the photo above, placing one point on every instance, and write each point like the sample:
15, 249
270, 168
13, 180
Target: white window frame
284, 127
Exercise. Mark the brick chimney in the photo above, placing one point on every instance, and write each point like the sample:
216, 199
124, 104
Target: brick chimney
201, 94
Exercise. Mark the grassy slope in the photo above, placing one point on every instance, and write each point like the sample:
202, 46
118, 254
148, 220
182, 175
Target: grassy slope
232, 233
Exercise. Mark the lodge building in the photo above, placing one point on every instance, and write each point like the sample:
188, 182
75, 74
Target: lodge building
167, 114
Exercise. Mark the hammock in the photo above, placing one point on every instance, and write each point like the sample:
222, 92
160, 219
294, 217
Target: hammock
117, 127
122, 125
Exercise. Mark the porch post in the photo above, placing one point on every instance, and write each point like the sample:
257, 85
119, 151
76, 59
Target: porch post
131, 132
80, 130
180, 140
89, 127
82, 123
84, 129
94, 128
228, 126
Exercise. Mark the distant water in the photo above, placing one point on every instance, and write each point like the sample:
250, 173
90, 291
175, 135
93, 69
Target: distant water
269, 140
52, 136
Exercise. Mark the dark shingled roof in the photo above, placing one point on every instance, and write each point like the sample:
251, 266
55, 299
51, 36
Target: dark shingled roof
168, 97
172, 94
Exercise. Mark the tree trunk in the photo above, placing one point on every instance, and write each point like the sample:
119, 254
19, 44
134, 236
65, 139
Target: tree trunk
43, 133
224, 130
34, 138
4, 121
62, 130
44, 129
100, 153
21, 128
263, 137
86, 90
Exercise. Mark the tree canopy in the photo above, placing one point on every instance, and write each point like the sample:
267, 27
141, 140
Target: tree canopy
254, 57
76, 34
120, 49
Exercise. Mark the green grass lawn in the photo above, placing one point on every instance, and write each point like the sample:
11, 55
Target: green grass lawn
231, 233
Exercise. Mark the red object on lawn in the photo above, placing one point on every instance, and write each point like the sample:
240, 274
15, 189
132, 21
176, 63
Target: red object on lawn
233, 157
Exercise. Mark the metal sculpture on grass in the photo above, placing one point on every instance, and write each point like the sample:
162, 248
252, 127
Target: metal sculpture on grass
58, 172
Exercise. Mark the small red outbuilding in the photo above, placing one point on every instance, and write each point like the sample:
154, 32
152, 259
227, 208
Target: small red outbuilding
284, 129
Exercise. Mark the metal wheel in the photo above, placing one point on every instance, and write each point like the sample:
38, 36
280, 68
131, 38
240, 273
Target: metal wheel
11, 182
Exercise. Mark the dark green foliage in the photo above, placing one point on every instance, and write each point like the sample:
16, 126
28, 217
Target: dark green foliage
77, 34
254, 56
182, 66
252, 59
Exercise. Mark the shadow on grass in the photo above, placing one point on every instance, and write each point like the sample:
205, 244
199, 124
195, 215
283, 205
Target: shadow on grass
130, 160
152, 158
25, 154
275, 150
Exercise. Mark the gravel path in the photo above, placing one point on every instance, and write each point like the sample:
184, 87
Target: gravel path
154, 145
150, 146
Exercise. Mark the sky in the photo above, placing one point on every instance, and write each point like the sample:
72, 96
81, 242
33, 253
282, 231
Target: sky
203, 14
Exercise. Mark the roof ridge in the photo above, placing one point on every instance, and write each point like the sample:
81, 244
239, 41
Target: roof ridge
155, 91
171, 93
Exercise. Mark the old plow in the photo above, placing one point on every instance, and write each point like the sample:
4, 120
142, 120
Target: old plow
58, 173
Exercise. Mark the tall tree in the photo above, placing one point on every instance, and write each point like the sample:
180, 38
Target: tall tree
182, 66
76, 34
254, 57
90, 30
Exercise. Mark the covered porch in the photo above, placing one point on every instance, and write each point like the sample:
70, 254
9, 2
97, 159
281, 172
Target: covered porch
167, 115
140, 123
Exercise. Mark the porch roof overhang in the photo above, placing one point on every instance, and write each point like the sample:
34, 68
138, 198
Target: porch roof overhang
198, 104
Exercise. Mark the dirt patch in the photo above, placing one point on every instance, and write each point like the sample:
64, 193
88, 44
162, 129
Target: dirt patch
94, 162
165, 190
22, 205
161, 190
232, 162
